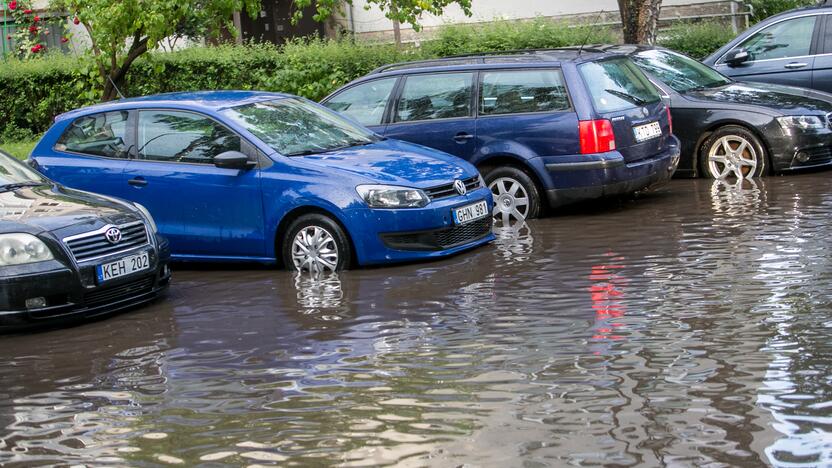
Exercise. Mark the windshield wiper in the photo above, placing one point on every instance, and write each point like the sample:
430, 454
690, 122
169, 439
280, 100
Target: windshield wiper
17, 185
328, 150
629, 97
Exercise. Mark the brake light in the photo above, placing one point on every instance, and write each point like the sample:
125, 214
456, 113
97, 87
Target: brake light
669, 120
596, 136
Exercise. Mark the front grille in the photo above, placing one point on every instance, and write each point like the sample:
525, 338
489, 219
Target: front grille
94, 244
124, 291
448, 190
439, 239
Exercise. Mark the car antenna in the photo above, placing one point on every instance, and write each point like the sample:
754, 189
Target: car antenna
118, 91
589, 32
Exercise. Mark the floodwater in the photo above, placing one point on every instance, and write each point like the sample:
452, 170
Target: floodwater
688, 327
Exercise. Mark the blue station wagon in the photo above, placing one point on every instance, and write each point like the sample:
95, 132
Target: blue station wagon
544, 127
254, 176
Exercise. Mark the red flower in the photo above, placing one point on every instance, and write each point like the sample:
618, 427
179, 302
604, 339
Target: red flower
9, 37
37, 48
76, 21
13, 5
27, 12
33, 29
36, 18
64, 40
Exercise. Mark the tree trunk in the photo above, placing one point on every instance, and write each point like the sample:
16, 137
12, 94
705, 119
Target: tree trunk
397, 31
116, 74
640, 20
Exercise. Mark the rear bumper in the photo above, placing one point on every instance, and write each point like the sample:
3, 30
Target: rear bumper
608, 174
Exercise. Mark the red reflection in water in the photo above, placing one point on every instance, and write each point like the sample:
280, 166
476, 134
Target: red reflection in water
607, 293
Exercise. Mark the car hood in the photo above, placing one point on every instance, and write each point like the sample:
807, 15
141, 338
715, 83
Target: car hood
784, 99
395, 162
59, 210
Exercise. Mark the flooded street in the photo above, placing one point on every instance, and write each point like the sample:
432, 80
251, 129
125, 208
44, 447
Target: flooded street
692, 326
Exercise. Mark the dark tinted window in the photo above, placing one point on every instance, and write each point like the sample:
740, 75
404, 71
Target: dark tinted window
512, 92
98, 135
789, 38
617, 84
183, 137
365, 102
440, 96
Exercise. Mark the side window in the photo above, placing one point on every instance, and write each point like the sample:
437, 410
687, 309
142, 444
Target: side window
182, 137
827, 35
365, 102
98, 135
513, 92
790, 38
440, 96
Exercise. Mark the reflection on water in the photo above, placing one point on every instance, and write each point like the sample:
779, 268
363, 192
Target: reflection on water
690, 327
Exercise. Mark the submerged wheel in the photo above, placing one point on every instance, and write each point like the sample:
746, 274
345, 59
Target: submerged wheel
317, 244
516, 196
733, 151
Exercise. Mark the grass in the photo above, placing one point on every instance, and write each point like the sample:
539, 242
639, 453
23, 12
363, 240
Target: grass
18, 149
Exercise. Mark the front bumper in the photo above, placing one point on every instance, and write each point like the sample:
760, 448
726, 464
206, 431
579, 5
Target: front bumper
71, 294
801, 150
608, 174
404, 235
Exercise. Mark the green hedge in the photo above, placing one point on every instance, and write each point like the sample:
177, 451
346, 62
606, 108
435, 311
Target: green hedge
696, 39
35, 91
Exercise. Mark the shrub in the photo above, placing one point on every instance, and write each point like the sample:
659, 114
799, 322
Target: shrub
697, 40
762, 9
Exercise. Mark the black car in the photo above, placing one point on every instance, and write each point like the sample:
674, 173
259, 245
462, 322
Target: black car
67, 254
732, 127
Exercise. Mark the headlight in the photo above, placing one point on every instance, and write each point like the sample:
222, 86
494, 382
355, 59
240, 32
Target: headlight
19, 249
391, 196
147, 216
802, 122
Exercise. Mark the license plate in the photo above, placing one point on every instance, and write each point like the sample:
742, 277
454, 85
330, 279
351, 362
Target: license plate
470, 212
122, 267
647, 131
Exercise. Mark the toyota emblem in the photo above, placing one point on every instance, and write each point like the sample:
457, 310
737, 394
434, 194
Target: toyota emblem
460, 188
113, 235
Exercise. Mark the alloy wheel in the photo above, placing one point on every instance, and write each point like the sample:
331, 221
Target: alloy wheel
314, 249
733, 155
511, 200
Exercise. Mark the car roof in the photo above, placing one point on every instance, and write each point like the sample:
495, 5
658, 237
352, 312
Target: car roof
508, 57
208, 101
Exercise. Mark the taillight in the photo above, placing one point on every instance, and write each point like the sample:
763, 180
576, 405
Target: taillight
596, 136
669, 120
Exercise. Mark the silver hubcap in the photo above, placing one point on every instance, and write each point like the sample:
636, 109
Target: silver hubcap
314, 250
733, 156
511, 201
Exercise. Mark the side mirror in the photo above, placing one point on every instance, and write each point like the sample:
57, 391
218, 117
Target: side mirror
234, 160
737, 57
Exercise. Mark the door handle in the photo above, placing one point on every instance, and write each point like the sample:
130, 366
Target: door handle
795, 65
462, 137
137, 182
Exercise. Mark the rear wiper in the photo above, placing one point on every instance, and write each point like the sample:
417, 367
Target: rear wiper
634, 99
9, 187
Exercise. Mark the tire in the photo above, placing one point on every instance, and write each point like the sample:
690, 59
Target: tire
516, 196
331, 251
746, 156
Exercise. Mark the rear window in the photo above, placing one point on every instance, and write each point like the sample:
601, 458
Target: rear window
617, 84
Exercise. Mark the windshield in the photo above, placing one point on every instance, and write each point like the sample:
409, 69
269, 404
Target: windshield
295, 127
617, 84
13, 172
679, 72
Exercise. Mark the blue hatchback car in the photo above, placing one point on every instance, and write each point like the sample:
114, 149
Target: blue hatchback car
546, 127
254, 176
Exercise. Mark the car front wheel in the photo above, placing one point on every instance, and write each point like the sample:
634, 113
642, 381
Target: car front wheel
733, 152
317, 244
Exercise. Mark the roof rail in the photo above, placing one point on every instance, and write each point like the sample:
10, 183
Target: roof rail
452, 58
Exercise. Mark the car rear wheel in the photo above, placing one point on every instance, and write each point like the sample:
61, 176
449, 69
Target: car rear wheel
317, 244
516, 196
733, 152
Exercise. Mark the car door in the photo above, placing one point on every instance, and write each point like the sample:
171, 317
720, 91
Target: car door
781, 53
91, 154
436, 110
202, 209
365, 102
822, 71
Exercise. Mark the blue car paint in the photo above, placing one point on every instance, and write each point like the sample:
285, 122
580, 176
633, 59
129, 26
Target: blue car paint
216, 214
540, 141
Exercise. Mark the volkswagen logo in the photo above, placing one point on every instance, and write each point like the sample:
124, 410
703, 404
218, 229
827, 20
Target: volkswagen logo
113, 235
459, 186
